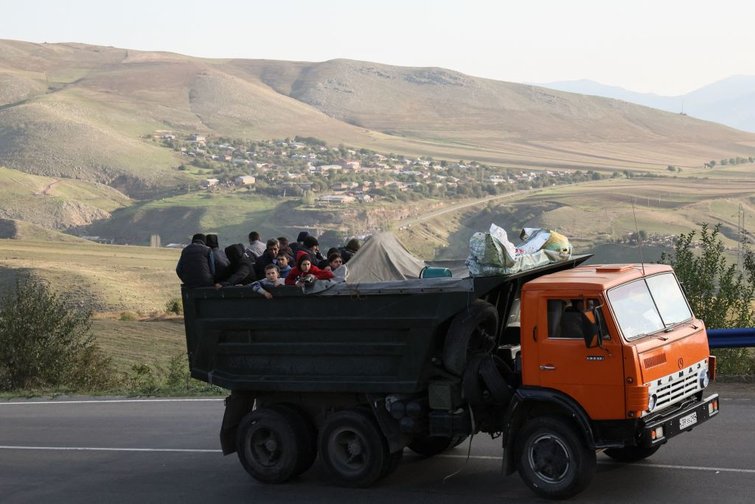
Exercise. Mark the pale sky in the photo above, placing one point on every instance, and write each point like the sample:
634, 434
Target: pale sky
667, 47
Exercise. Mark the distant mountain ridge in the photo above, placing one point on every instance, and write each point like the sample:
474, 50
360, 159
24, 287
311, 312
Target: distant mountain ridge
729, 101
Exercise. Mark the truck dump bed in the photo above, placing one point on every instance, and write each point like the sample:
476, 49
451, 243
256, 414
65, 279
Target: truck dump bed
362, 338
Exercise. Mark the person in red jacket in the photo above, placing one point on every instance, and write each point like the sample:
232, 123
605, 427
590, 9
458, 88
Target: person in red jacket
305, 273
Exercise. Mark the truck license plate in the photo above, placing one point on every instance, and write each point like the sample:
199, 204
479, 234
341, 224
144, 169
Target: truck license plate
687, 421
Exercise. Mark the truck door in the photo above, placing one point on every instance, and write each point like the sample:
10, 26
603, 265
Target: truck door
594, 377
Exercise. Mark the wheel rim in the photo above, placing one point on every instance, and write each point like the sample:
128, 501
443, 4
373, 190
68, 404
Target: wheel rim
549, 458
265, 447
349, 451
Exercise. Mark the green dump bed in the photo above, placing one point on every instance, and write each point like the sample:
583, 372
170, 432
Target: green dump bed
363, 338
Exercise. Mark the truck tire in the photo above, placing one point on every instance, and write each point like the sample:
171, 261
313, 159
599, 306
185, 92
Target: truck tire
306, 435
630, 454
428, 446
473, 331
268, 445
353, 449
553, 459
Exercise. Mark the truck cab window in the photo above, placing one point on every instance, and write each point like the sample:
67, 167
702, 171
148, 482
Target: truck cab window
648, 306
572, 318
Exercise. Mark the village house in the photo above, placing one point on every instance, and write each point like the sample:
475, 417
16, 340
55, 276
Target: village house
245, 180
210, 182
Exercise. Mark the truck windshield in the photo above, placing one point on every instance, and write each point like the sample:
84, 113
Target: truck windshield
649, 305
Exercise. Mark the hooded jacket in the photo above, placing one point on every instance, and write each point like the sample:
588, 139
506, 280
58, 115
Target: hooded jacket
296, 272
241, 268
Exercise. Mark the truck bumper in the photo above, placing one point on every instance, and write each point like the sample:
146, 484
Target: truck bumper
658, 430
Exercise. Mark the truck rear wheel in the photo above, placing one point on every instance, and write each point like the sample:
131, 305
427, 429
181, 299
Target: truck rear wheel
353, 449
553, 459
306, 435
269, 445
471, 332
630, 454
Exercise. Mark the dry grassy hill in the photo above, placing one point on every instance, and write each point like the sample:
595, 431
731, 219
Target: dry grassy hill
78, 111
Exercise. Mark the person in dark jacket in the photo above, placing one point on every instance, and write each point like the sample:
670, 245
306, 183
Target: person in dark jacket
196, 267
222, 264
242, 266
268, 257
298, 244
349, 250
312, 247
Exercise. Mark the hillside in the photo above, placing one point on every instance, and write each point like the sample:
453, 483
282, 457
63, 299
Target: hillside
79, 111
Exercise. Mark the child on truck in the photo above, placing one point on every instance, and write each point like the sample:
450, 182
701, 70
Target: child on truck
272, 279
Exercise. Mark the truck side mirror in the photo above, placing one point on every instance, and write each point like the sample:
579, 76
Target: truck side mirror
594, 329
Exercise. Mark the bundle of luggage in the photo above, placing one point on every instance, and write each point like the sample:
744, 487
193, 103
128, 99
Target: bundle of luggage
492, 253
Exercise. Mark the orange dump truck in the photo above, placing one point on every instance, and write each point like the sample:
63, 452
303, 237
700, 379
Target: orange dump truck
563, 361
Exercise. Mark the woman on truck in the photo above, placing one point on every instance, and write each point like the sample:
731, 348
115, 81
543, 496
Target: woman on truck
305, 273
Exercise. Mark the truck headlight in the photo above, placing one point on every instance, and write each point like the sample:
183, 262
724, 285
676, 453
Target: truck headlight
652, 401
703, 378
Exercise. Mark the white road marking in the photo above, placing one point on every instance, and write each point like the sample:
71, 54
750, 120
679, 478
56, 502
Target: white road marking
92, 448
106, 401
447, 456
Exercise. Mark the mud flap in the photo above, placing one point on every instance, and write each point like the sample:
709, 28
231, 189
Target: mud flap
237, 405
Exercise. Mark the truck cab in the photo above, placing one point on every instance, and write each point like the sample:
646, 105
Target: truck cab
614, 354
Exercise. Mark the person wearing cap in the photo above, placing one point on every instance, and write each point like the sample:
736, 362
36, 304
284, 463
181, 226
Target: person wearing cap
298, 244
312, 247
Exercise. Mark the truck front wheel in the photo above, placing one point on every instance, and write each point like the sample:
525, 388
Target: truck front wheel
553, 459
268, 445
630, 454
353, 449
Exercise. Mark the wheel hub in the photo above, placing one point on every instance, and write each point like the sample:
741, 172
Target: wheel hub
549, 458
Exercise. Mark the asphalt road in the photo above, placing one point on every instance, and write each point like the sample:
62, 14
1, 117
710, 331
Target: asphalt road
167, 451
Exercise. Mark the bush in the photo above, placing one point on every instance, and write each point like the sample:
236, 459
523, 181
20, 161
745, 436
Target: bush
174, 305
45, 342
128, 316
718, 292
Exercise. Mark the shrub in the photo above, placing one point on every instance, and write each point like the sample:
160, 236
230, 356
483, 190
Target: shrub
45, 341
174, 305
719, 293
128, 316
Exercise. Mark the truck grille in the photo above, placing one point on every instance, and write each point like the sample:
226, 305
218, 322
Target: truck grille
675, 387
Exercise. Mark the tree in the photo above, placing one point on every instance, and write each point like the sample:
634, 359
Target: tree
717, 291
46, 342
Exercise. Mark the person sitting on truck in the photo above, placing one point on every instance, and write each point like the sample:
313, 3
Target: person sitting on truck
305, 273
242, 266
285, 247
196, 267
267, 257
337, 267
256, 245
312, 247
271, 280
282, 262
351, 248
222, 264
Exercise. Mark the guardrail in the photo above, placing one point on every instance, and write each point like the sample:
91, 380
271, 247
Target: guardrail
732, 338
